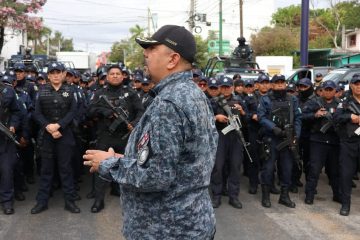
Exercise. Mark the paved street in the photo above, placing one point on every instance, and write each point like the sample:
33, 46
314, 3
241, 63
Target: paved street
320, 221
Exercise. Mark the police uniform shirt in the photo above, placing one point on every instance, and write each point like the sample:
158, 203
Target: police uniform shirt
165, 174
53, 106
10, 112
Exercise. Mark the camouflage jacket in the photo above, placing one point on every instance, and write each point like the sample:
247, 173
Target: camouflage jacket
165, 172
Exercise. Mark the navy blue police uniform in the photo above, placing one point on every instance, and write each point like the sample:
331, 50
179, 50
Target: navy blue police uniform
230, 148
10, 116
324, 144
349, 145
276, 111
55, 106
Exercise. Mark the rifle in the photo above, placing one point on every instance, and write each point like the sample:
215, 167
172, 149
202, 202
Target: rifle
290, 139
353, 108
234, 124
119, 113
330, 121
8, 133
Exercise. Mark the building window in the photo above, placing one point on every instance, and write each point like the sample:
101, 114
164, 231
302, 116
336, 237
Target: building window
352, 40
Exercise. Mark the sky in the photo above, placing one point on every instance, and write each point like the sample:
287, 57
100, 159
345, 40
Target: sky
95, 25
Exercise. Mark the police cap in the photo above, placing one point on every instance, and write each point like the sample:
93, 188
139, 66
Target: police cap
278, 77
305, 82
212, 82
262, 78
355, 78
329, 84
175, 37
226, 81
19, 67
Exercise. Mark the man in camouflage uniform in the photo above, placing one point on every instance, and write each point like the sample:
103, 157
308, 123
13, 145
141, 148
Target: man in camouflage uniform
165, 172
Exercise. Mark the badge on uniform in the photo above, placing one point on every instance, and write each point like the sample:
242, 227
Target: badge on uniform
143, 149
65, 94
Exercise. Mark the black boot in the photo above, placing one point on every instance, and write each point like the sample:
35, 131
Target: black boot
216, 201
235, 203
265, 198
97, 206
345, 210
39, 207
71, 207
274, 190
253, 188
309, 199
285, 198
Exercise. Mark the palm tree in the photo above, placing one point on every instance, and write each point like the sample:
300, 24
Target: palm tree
137, 31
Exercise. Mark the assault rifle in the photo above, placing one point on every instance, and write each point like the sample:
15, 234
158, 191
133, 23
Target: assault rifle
329, 119
234, 123
8, 133
290, 139
119, 113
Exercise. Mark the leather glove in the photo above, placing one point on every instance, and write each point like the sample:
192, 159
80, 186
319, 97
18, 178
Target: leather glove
278, 132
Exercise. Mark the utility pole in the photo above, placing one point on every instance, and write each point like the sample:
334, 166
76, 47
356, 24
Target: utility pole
48, 45
149, 19
191, 15
241, 2
304, 44
220, 28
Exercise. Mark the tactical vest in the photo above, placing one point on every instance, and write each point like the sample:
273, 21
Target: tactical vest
331, 108
55, 104
280, 110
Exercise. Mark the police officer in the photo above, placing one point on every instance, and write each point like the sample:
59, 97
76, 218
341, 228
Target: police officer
324, 142
279, 114
252, 102
347, 115
112, 130
305, 93
137, 84
27, 86
146, 86
164, 174
10, 117
318, 79
213, 88
55, 110
230, 148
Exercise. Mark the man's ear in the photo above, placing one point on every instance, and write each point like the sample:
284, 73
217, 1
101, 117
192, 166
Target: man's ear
174, 61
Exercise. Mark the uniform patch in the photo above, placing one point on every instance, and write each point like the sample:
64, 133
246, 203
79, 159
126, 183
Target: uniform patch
126, 94
143, 149
340, 105
65, 94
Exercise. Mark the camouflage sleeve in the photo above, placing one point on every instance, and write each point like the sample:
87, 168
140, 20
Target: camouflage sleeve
157, 172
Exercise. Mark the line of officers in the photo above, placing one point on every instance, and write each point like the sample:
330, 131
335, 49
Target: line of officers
57, 115
290, 130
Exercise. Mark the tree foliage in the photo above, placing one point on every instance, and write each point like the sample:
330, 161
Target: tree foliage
18, 15
276, 41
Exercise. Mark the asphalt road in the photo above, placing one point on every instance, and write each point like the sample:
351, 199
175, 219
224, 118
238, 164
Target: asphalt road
319, 221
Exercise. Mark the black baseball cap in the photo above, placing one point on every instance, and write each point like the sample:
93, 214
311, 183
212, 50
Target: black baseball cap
175, 37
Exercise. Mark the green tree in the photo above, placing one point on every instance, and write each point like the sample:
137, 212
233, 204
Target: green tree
18, 15
287, 17
277, 41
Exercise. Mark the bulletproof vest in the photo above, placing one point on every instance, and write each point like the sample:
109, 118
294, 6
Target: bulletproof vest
330, 108
55, 104
280, 110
